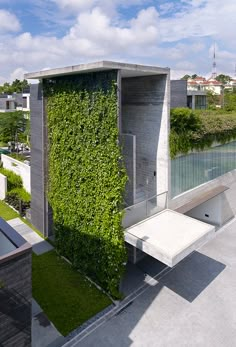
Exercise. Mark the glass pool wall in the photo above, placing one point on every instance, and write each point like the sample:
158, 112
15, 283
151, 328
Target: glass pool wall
191, 170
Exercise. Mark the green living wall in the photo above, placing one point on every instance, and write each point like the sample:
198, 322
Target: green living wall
86, 174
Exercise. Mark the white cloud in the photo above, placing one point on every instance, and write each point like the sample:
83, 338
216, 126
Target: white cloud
8, 22
18, 74
94, 34
201, 18
180, 40
107, 6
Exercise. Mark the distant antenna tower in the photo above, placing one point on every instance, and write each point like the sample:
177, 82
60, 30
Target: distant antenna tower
214, 74
235, 71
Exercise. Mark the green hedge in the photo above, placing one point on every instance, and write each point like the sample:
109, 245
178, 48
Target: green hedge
17, 156
18, 198
16, 195
13, 180
86, 175
194, 130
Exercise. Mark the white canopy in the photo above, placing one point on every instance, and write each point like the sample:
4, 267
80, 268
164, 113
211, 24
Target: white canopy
169, 236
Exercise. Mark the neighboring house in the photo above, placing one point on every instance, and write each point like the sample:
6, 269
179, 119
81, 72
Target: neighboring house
7, 103
157, 202
23, 100
202, 84
231, 85
196, 100
15, 102
178, 93
183, 96
198, 88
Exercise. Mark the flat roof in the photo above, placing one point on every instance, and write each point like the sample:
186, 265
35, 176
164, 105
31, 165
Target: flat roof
127, 70
169, 236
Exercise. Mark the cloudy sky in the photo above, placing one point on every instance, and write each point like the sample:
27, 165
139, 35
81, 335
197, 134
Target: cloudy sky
180, 34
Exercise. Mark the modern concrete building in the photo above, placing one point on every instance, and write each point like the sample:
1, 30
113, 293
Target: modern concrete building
15, 102
182, 95
143, 103
196, 100
23, 100
15, 288
178, 93
7, 103
156, 220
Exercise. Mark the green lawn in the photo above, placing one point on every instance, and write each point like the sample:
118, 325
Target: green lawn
67, 298
6, 212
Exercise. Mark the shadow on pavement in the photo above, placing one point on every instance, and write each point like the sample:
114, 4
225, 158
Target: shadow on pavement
194, 274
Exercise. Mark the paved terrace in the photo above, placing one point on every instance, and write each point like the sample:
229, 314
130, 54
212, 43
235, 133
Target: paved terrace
191, 305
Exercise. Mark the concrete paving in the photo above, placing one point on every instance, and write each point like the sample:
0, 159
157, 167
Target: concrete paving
39, 245
191, 305
43, 332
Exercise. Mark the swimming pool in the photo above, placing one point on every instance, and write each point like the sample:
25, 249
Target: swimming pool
191, 170
6, 246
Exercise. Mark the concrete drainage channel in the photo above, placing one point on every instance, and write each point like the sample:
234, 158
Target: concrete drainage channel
113, 310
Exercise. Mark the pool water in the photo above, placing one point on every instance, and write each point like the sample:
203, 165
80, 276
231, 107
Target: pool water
6, 246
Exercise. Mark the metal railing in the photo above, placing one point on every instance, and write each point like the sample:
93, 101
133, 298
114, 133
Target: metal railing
144, 209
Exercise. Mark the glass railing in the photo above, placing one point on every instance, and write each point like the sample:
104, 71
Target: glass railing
191, 170
144, 209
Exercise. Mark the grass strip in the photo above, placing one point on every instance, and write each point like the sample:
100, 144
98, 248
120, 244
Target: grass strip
67, 298
6, 212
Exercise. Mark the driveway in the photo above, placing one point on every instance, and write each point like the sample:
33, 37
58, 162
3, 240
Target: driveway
191, 305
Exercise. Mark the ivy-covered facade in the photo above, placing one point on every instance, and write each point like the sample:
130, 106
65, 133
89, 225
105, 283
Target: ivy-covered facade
84, 162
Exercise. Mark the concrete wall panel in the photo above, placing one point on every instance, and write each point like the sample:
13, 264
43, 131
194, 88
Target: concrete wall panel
3, 187
19, 168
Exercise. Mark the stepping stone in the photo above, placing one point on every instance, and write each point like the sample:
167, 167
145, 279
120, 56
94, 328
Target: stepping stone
40, 246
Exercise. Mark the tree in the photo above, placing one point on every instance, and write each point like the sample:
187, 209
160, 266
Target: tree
17, 86
6, 88
224, 79
13, 126
24, 84
213, 99
185, 77
184, 120
230, 100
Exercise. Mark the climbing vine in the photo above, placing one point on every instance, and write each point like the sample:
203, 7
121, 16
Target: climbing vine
86, 174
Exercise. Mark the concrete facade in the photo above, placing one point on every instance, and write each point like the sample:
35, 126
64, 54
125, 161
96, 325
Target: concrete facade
178, 93
7, 103
19, 168
196, 100
3, 186
15, 102
37, 154
218, 210
144, 115
143, 104
182, 96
